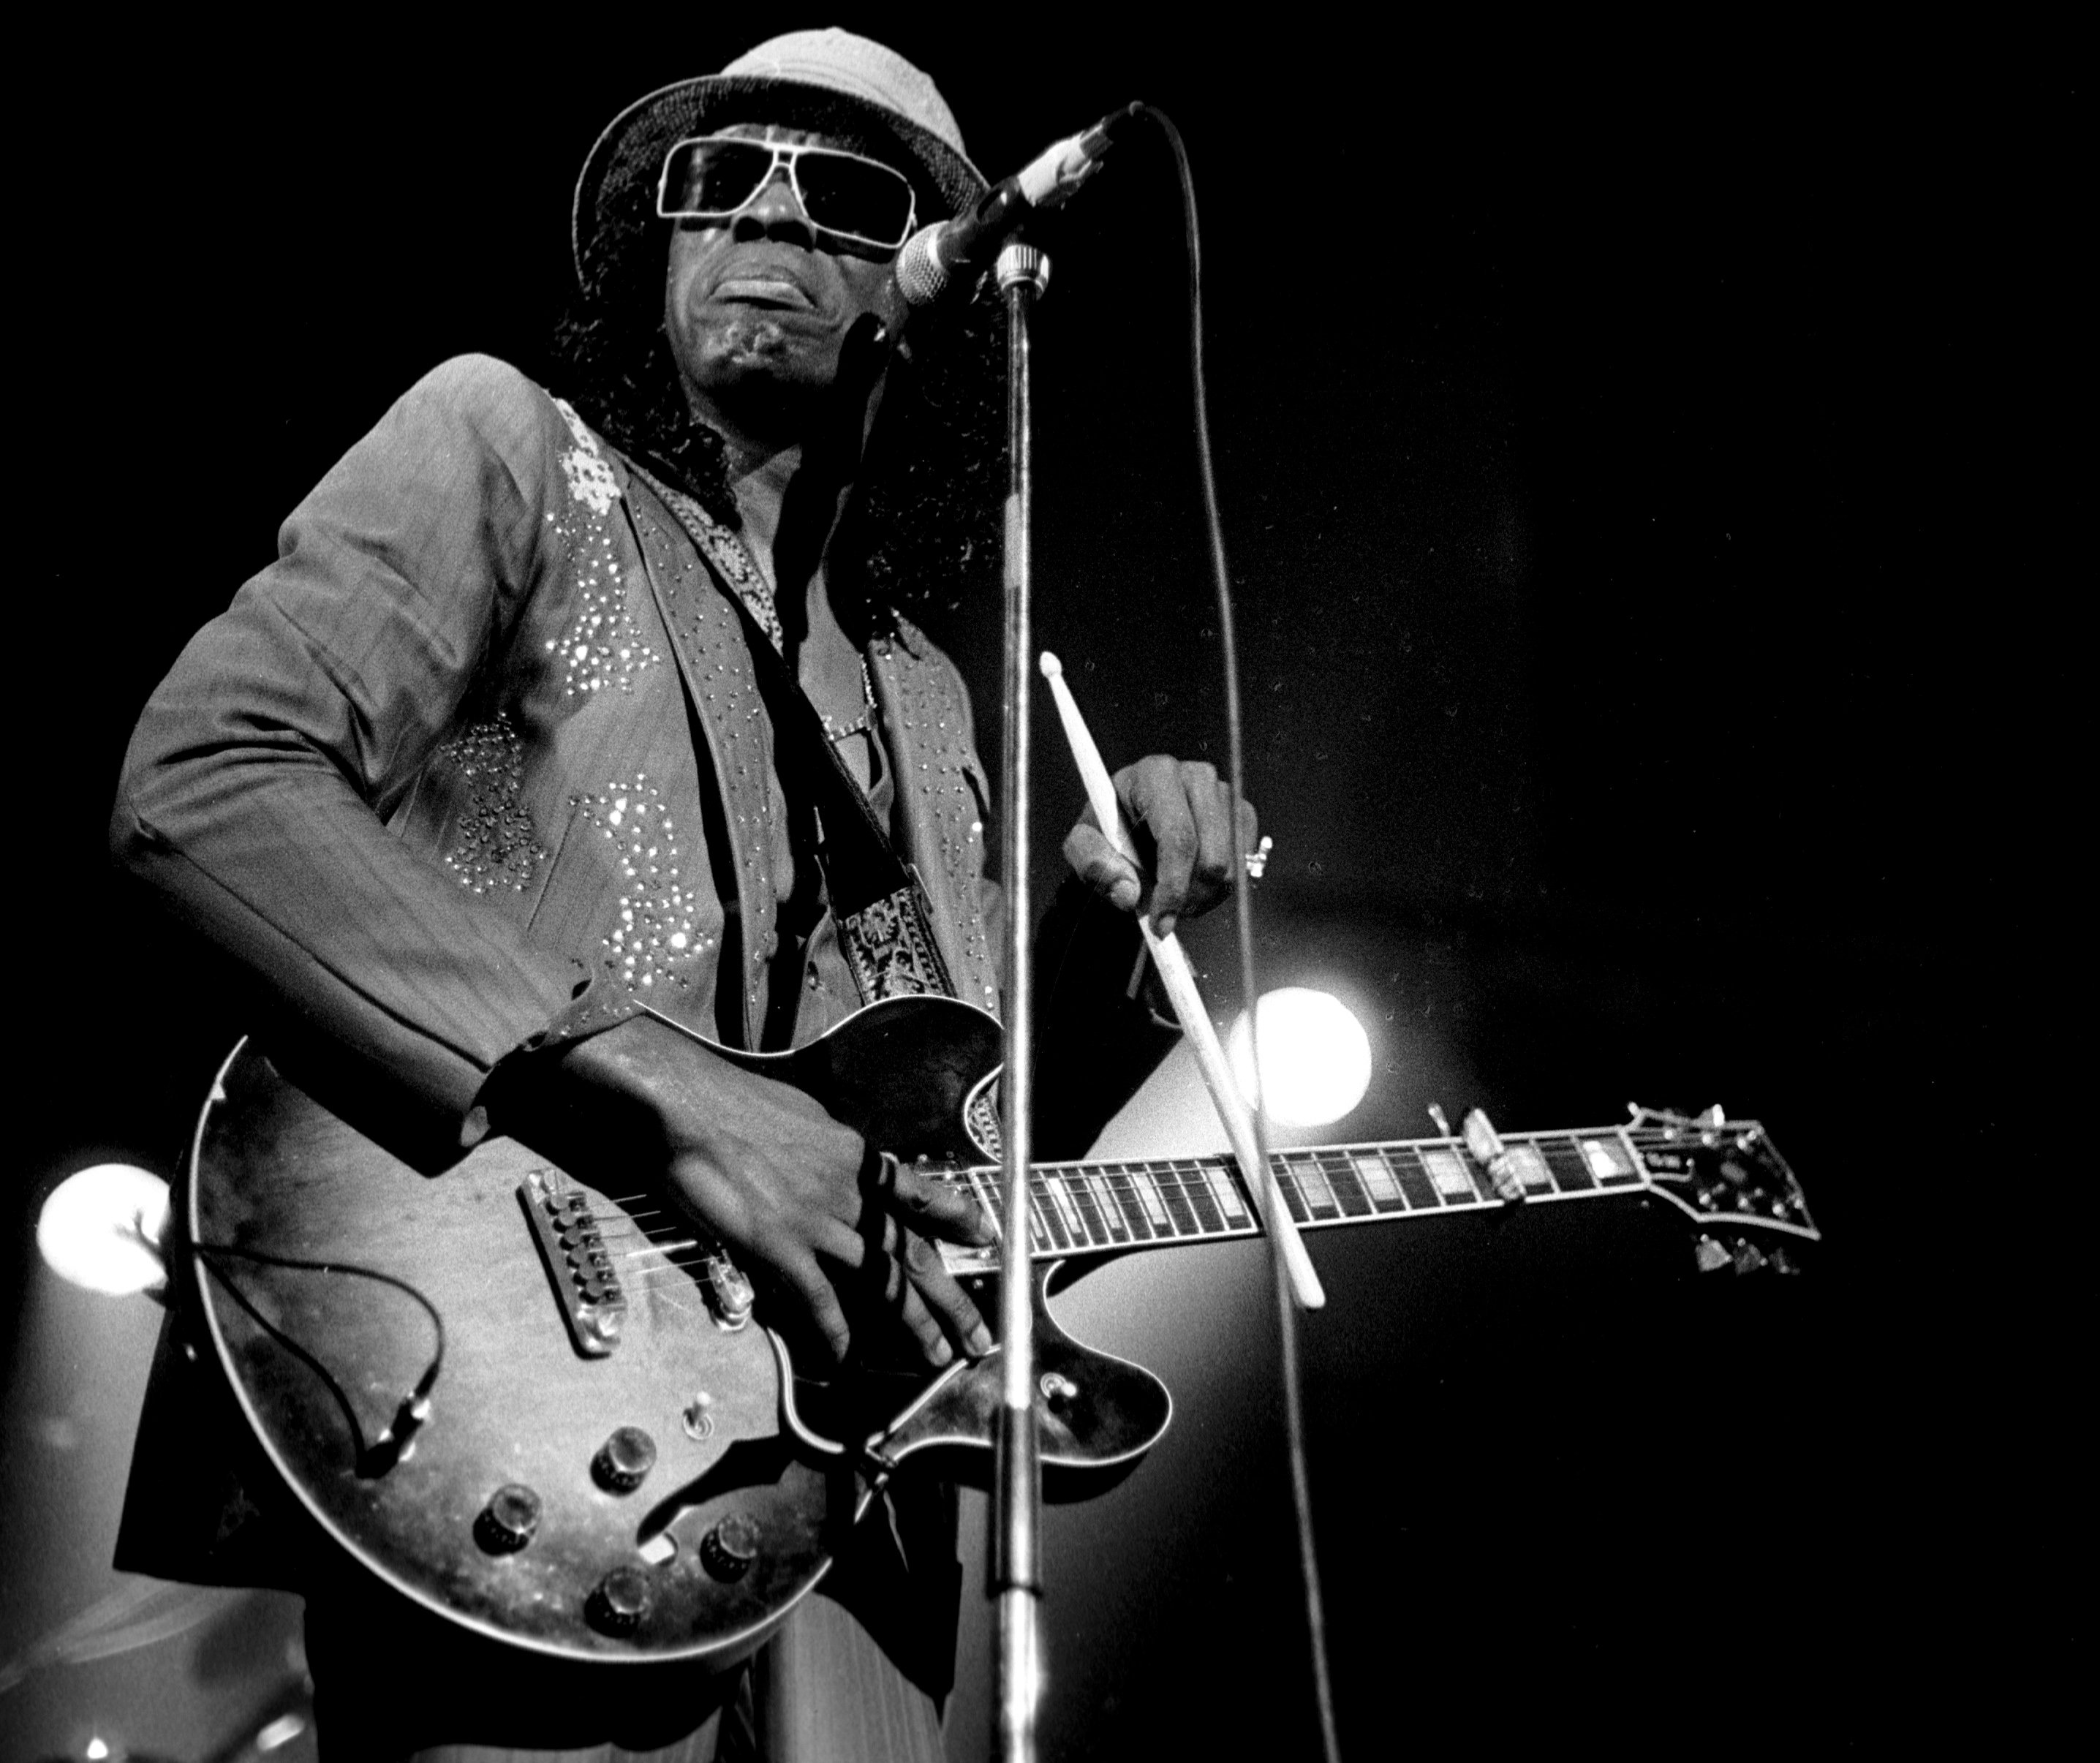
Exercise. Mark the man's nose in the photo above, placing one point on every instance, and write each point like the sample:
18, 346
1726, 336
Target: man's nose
774, 214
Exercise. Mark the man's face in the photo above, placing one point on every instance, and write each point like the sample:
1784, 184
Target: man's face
757, 306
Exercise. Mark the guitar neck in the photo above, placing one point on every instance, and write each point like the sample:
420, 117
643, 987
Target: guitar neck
1102, 1208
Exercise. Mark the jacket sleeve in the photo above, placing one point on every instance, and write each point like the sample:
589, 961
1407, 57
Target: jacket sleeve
254, 794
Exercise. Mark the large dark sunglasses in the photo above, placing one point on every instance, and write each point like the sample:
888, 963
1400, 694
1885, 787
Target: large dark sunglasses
716, 177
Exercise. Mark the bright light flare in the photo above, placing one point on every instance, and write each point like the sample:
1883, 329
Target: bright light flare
100, 1228
1316, 1058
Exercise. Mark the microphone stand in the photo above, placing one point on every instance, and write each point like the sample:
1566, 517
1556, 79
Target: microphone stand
1023, 273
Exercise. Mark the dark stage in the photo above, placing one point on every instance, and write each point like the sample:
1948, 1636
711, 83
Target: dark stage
1615, 444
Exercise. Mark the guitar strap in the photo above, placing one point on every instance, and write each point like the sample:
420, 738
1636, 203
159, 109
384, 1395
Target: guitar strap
884, 928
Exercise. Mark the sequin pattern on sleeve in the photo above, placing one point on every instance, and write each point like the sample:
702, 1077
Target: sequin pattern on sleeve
656, 941
496, 845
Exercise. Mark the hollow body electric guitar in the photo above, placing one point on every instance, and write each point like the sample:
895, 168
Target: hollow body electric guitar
543, 1411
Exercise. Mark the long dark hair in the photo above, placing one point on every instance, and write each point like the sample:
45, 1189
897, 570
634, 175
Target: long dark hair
923, 531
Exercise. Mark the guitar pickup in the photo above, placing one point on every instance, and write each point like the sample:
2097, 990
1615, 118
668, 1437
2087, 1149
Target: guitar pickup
586, 1284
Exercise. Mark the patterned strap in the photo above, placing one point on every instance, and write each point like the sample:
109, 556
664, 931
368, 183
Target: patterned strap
889, 946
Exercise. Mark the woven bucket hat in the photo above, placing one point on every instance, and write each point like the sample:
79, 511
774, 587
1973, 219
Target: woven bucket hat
829, 81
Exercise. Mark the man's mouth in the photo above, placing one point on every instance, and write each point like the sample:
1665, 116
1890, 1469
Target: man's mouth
764, 290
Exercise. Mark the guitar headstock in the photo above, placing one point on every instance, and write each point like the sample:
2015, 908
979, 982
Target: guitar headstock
1729, 1178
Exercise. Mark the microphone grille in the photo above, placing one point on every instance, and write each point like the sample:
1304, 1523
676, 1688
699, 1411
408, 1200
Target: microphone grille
921, 277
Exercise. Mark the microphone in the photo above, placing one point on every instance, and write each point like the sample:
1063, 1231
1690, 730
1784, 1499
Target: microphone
933, 256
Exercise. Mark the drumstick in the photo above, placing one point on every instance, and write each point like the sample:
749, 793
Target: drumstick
1180, 981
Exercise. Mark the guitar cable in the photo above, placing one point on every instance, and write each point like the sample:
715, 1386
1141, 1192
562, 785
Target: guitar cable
1293, 1416
393, 1440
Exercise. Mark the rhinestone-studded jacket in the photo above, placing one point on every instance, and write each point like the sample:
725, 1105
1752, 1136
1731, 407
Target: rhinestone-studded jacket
433, 778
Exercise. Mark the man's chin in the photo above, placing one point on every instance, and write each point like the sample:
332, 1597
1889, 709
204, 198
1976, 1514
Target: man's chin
787, 346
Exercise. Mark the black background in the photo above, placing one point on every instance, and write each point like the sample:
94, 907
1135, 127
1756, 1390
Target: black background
1637, 483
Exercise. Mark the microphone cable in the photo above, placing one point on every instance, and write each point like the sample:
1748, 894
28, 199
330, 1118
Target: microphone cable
1294, 1412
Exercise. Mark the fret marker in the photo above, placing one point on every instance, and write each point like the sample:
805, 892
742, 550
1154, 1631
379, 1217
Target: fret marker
1225, 1193
1605, 1159
1447, 1169
1312, 1183
1378, 1179
1155, 1208
1068, 1208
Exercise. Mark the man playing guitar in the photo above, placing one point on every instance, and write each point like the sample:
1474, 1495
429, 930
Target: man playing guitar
569, 738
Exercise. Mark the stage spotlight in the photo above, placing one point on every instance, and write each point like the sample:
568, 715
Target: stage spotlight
101, 1228
1316, 1058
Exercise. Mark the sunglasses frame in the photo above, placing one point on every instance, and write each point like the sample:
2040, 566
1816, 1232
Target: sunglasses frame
787, 153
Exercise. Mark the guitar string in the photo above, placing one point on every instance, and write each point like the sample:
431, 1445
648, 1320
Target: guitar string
1129, 1206
675, 1273
1105, 1234
1182, 1172
1096, 1225
1122, 1182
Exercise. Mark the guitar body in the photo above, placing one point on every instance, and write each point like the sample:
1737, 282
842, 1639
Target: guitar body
757, 1474
530, 1406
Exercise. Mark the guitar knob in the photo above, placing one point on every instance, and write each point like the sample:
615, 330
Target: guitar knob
510, 1521
620, 1601
728, 1551
623, 1460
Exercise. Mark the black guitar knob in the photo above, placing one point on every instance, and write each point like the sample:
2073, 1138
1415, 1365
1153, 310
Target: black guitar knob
728, 1551
623, 1460
510, 1520
620, 1601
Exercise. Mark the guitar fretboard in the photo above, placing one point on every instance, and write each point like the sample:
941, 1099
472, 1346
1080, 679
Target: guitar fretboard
1083, 1208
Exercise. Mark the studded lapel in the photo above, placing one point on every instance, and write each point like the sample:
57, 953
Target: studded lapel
708, 639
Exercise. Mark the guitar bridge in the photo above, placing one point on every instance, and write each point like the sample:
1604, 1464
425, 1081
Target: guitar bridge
586, 1285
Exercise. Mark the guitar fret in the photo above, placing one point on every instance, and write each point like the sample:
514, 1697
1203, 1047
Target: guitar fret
1077, 1207
1067, 1212
1103, 1221
1226, 1193
1047, 1212
1116, 1181
1197, 1194
1528, 1166
1348, 1190
1294, 1202
1155, 1207
1452, 1173
1415, 1182
980, 1183
1312, 1183
1571, 1174
1609, 1162
1176, 1200
1375, 1171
